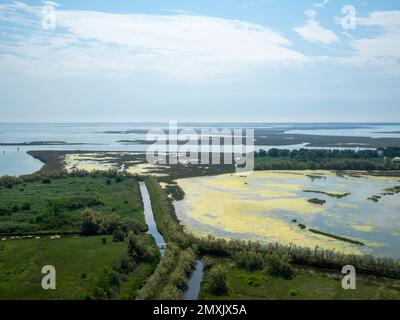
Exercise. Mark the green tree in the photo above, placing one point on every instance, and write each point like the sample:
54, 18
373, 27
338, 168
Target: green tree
103, 283
278, 265
250, 260
217, 281
89, 223
118, 236
171, 292
139, 249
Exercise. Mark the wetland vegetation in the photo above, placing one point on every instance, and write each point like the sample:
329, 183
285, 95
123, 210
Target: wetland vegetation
55, 205
250, 270
263, 206
320, 159
106, 206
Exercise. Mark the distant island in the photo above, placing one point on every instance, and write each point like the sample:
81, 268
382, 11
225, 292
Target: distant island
45, 143
309, 141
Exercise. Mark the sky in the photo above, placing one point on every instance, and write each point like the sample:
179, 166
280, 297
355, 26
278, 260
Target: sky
200, 60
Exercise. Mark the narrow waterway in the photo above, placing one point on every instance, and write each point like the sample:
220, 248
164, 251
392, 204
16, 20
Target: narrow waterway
196, 278
149, 217
194, 284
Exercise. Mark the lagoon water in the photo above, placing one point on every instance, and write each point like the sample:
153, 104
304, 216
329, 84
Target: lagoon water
96, 138
378, 224
377, 131
15, 163
268, 206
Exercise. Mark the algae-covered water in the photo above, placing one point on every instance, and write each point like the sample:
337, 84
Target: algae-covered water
269, 205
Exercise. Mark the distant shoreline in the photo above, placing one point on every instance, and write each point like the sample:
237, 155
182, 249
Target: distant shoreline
45, 143
310, 141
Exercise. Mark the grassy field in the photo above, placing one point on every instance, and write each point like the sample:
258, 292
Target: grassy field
307, 284
21, 263
77, 261
55, 205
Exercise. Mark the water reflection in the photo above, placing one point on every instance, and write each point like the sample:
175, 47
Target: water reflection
149, 217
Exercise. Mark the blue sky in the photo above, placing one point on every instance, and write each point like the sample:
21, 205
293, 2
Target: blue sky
192, 60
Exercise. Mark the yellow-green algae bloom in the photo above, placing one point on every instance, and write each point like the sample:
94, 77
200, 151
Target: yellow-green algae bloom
363, 228
227, 203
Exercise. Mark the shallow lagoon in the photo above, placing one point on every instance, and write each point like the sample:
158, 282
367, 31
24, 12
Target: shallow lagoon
15, 162
262, 207
96, 138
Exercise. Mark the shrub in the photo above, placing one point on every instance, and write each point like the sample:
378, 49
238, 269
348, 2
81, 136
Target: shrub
118, 236
151, 290
46, 181
170, 277
179, 279
139, 249
97, 223
165, 217
254, 281
279, 266
125, 265
217, 282
89, 223
104, 281
171, 292
249, 260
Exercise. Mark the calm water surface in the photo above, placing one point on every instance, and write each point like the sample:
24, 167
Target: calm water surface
13, 162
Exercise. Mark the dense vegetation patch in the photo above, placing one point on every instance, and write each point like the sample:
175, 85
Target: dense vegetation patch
304, 284
37, 207
131, 271
165, 217
321, 159
170, 278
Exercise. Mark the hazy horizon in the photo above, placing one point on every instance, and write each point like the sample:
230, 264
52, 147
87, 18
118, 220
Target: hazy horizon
202, 122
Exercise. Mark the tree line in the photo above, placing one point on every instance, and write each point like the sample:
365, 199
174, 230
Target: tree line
327, 159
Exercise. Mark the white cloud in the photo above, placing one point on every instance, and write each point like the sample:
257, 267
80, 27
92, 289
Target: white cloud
177, 45
384, 47
321, 4
314, 32
311, 13
388, 20
51, 3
